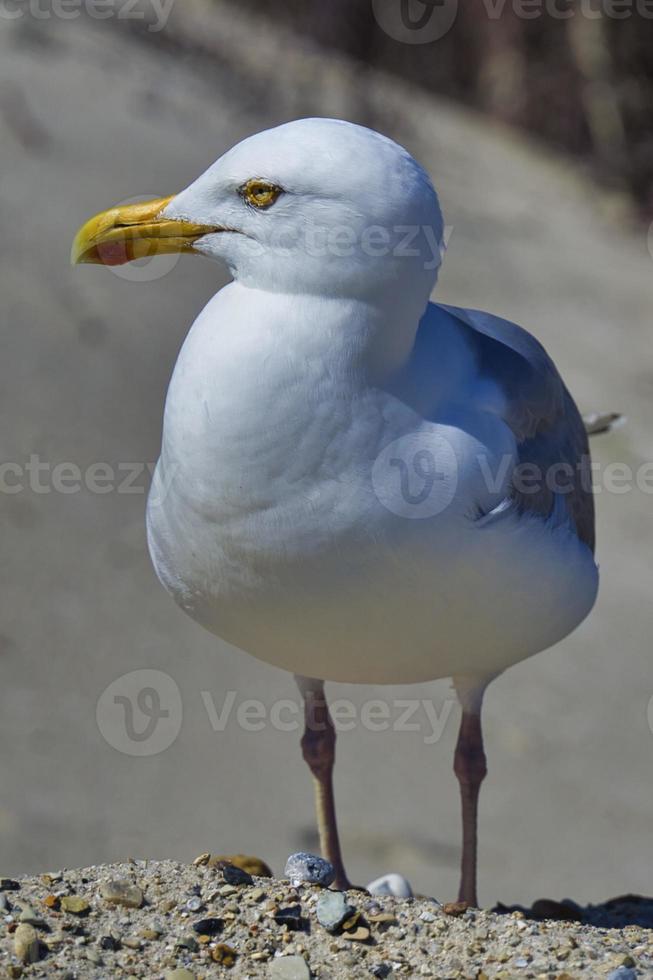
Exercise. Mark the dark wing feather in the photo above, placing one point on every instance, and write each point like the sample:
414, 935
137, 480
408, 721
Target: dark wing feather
541, 413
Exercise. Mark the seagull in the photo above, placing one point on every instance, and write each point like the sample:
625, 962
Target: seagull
356, 484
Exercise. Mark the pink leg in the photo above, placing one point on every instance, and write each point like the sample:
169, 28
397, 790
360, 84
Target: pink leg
319, 751
470, 767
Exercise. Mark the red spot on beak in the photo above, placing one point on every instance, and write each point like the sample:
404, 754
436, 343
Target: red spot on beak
113, 253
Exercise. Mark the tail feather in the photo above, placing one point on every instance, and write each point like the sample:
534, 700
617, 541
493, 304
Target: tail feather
597, 422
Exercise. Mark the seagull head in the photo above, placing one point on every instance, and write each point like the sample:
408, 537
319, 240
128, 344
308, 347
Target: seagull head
315, 206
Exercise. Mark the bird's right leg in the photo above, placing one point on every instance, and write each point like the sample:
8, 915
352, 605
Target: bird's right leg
319, 751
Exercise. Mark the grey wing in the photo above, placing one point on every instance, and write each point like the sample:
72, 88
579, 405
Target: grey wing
542, 414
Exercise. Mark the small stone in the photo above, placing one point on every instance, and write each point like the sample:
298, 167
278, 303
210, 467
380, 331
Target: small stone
180, 975
291, 916
253, 865
132, 942
202, 859
455, 909
121, 891
224, 955
26, 944
75, 905
187, 942
52, 902
309, 868
289, 968
391, 884
9, 885
193, 904
383, 918
210, 926
227, 890
623, 973
359, 935
233, 875
257, 895
151, 934
110, 943
332, 910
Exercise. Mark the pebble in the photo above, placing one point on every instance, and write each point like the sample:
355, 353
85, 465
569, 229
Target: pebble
291, 916
26, 944
193, 904
391, 884
9, 885
121, 891
253, 865
75, 905
210, 926
310, 869
233, 875
30, 916
623, 973
332, 910
223, 954
289, 968
180, 975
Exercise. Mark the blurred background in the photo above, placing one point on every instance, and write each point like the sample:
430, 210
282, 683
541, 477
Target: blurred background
538, 132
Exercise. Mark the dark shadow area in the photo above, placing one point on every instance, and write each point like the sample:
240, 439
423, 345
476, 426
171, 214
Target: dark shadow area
625, 910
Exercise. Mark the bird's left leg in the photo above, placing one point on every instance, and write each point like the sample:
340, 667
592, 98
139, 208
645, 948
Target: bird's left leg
470, 768
319, 751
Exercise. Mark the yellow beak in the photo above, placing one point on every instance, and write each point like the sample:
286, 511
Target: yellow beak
134, 231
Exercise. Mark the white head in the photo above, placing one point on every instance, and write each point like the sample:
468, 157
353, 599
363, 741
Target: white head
318, 205
315, 206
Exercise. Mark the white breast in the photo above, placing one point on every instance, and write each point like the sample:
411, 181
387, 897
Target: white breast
275, 520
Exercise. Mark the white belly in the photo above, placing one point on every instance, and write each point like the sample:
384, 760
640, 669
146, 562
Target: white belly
410, 601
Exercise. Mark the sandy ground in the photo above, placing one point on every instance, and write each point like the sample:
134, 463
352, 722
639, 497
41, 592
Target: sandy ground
166, 920
91, 114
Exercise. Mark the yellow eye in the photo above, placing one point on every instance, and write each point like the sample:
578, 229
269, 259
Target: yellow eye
260, 193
